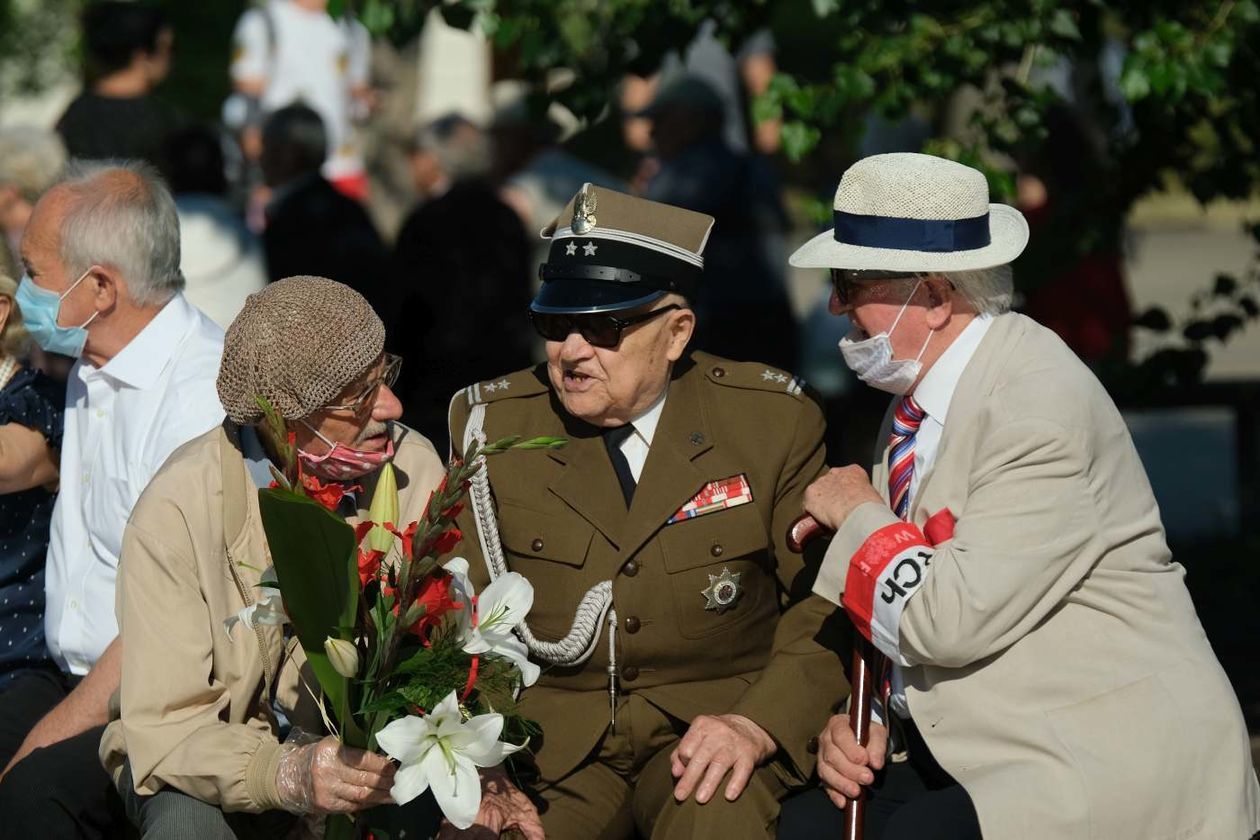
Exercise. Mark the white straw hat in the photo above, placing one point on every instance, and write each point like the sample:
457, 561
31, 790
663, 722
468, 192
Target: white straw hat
912, 212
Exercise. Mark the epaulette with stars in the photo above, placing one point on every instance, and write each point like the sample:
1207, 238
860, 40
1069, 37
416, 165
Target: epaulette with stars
522, 383
754, 376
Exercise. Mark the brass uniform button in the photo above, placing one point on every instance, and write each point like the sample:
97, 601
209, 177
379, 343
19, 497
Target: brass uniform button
632, 624
811, 746
629, 673
631, 568
719, 372
536, 545
716, 550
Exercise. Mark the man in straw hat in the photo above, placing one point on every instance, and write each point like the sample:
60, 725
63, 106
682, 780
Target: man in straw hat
1047, 674
685, 679
194, 744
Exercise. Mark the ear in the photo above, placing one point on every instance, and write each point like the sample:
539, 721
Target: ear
108, 287
940, 301
682, 324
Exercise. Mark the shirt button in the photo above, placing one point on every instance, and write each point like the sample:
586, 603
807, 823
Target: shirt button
811, 746
631, 568
629, 673
716, 550
632, 624
536, 545
100, 412
74, 605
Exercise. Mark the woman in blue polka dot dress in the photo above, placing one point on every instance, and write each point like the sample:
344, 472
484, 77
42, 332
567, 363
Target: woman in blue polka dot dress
30, 435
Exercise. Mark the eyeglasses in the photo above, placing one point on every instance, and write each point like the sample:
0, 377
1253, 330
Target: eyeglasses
599, 329
846, 282
387, 377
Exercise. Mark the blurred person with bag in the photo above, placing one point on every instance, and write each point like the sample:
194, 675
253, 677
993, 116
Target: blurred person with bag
102, 284
30, 437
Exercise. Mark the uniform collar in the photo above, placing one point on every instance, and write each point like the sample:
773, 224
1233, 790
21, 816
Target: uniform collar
645, 424
936, 391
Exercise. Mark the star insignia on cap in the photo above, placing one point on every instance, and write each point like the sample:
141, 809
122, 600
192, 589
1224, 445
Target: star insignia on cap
570, 249
723, 591
589, 249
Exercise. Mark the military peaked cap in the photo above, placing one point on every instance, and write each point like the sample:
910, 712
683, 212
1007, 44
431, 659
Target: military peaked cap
613, 251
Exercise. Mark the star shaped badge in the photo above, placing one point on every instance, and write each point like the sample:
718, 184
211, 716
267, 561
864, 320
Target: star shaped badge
589, 249
723, 591
570, 249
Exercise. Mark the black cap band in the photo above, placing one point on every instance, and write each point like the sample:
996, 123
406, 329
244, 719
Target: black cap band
639, 270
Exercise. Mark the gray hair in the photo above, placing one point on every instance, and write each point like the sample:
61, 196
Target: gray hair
123, 216
988, 290
31, 159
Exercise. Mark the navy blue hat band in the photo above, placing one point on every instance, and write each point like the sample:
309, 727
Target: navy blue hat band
899, 234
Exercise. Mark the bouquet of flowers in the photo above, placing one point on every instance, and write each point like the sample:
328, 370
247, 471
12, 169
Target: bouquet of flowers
410, 660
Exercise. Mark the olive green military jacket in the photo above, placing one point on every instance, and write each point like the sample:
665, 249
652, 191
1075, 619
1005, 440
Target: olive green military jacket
565, 527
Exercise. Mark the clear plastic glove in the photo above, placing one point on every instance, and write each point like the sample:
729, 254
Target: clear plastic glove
326, 777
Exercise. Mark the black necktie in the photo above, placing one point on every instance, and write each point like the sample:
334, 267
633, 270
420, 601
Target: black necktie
613, 438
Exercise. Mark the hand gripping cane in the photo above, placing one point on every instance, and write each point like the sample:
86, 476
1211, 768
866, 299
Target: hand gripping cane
803, 530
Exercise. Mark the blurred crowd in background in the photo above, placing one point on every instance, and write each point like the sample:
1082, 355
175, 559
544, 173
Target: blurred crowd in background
423, 182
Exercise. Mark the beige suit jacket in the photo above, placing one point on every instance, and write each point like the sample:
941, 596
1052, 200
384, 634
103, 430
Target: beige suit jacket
1057, 668
194, 710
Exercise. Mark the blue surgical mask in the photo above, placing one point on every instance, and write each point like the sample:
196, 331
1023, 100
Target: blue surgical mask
40, 309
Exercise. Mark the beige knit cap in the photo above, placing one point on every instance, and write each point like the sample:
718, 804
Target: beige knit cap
299, 342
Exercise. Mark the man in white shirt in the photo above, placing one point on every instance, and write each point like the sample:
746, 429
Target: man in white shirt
1049, 677
101, 256
293, 51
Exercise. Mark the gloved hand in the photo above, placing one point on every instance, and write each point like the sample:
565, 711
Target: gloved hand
327, 777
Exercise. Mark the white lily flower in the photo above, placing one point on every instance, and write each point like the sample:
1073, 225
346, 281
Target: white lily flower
343, 656
501, 607
267, 609
442, 752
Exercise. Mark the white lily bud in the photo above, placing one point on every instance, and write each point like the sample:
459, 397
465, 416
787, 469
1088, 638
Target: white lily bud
384, 509
343, 656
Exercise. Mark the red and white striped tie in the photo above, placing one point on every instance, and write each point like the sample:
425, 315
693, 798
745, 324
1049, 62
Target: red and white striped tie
906, 421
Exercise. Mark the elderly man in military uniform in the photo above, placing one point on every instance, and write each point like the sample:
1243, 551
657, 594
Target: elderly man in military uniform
685, 669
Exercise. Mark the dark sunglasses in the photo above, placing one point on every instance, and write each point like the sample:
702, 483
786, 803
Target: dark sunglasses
846, 282
598, 329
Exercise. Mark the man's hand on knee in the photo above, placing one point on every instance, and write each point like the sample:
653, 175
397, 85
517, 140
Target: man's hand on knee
844, 764
503, 807
714, 745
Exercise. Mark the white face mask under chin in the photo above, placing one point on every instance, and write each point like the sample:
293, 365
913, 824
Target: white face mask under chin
871, 359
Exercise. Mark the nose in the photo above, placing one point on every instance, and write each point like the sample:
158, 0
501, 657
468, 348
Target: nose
574, 347
835, 307
387, 405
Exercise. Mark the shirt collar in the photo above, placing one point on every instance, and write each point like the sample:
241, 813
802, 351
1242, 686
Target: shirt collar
145, 357
645, 423
937, 388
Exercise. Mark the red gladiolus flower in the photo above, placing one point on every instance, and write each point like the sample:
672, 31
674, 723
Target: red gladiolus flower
446, 541
329, 495
453, 511
435, 595
369, 566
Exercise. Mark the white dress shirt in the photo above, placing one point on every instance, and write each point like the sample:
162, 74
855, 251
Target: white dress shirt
934, 394
122, 421
636, 446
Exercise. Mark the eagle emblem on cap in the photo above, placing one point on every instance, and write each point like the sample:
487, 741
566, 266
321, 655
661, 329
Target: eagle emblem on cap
584, 211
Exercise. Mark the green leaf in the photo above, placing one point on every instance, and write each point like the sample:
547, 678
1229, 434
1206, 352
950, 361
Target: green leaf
1064, 25
313, 551
798, 138
1134, 85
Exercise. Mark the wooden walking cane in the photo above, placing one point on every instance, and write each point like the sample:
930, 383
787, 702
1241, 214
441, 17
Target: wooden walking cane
803, 530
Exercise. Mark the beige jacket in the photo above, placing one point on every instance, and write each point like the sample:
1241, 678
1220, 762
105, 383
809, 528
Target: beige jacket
1058, 669
195, 711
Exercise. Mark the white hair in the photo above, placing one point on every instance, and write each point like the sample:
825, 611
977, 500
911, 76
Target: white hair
31, 159
988, 290
126, 223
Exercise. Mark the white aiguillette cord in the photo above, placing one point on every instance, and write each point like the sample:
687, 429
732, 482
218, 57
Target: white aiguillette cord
578, 645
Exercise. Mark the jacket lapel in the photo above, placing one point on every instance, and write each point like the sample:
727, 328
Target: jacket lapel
588, 483
674, 470
976, 381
